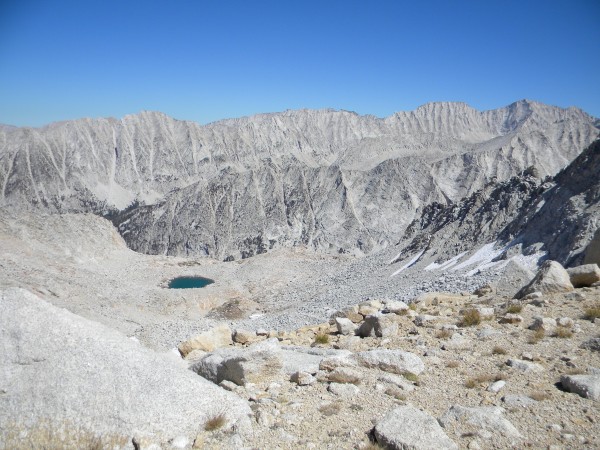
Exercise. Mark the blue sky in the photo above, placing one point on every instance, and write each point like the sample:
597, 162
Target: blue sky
205, 60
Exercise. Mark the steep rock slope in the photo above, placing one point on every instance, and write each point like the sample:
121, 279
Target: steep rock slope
558, 215
567, 217
332, 180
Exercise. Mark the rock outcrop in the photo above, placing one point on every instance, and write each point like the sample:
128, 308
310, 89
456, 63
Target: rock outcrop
82, 383
409, 427
552, 277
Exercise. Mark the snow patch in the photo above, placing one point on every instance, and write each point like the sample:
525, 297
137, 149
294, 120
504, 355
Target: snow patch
482, 256
445, 265
408, 264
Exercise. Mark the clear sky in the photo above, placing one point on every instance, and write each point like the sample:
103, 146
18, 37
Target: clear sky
205, 60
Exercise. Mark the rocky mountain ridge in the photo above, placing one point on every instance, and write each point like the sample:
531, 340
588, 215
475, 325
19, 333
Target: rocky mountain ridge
557, 215
330, 180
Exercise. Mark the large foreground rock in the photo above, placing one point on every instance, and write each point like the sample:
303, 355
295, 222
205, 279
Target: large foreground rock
217, 337
587, 386
486, 421
585, 275
407, 427
259, 362
551, 278
60, 371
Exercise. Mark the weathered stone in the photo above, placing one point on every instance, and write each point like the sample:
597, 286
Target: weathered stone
378, 325
302, 378
592, 344
345, 375
333, 362
423, 319
585, 275
343, 390
79, 372
217, 337
258, 363
565, 322
398, 381
457, 342
518, 400
307, 359
511, 318
485, 421
543, 323
525, 366
350, 312
485, 313
551, 278
394, 361
367, 310
396, 307
407, 427
345, 326
496, 386
488, 332
243, 336
587, 386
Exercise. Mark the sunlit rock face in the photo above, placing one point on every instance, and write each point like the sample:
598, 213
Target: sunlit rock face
330, 180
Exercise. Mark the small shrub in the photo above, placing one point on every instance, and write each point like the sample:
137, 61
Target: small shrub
411, 377
497, 350
444, 334
514, 309
321, 338
563, 333
536, 336
453, 364
592, 313
470, 318
215, 422
395, 392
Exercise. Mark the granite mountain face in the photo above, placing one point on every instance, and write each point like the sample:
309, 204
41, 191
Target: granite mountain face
331, 180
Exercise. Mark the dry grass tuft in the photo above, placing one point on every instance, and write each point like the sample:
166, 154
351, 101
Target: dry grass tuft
395, 392
411, 377
563, 333
514, 309
452, 364
539, 396
215, 423
444, 334
592, 313
497, 350
483, 378
536, 336
470, 318
321, 338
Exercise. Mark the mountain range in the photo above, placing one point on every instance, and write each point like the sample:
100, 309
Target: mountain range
333, 181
